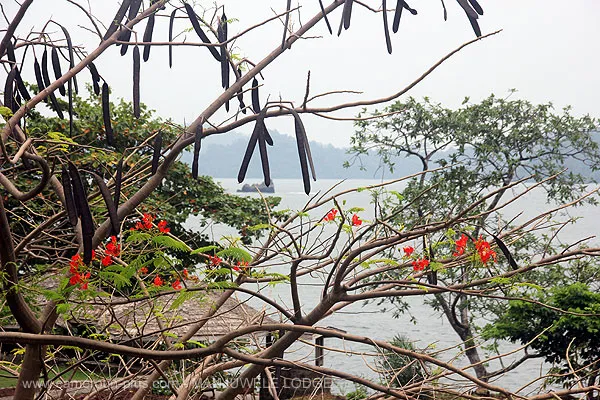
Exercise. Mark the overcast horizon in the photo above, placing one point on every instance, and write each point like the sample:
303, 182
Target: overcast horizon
547, 51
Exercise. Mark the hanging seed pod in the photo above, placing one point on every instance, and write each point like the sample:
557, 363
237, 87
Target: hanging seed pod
10, 52
83, 207
303, 152
9, 98
325, 17
468, 9
71, 56
69, 200
347, 13
47, 82
476, 6
475, 26
386, 29
56, 68
249, 150
148, 36
222, 37
411, 10
21, 85
38, 76
116, 22
255, 99
95, 78
197, 147
136, 82
125, 35
286, 23
118, 179
110, 139
397, 15
156, 153
262, 147
196, 24
509, 257
171, 21
108, 200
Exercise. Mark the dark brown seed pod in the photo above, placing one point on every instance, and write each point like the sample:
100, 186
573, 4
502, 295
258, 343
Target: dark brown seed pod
222, 37
136, 82
38, 75
432, 278
468, 9
511, 260
118, 180
196, 25
262, 147
56, 68
110, 139
474, 25
148, 36
268, 138
197, 147
325, 17
386, 29
116, 21
125, 35
397, 15
87, 223
44, 65
476, 7
9, 97
95, 78
10, 52
108, 200
71, 56
171, 21
250, 149
411, 10
286, 23
347, 13
21, 85
255, 99
240, 95
70, 206
156, 153
304, 153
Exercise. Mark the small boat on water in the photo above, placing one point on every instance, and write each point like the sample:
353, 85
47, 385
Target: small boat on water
257, 187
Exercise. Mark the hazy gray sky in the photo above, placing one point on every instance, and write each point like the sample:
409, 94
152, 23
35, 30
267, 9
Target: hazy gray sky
548, 50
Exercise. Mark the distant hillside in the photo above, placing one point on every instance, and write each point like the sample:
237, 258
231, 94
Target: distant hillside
221, 156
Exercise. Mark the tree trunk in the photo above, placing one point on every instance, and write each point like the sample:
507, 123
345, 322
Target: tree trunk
27, 384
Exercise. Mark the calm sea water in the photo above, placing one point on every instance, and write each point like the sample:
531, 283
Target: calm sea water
423, 325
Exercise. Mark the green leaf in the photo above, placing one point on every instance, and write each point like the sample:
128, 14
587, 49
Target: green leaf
236, 253
204, 249
170, 242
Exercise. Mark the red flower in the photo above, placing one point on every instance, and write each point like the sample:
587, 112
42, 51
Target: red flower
419, 265
112, 248
147, 221
143, 270
484, 250
215, 260
176, 285
408, 250
356, 221
157, 281
93, 254
84, 281
75, 263
330, 215
461, 245
106, 260
75, 279
184, 273
162, 226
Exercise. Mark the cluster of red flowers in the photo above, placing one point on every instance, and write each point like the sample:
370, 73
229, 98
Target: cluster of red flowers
330, 215
215, 261
420, 264
146, 224
356, 221
112, 249
484, 250
408, 250
76, 276
158, 282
